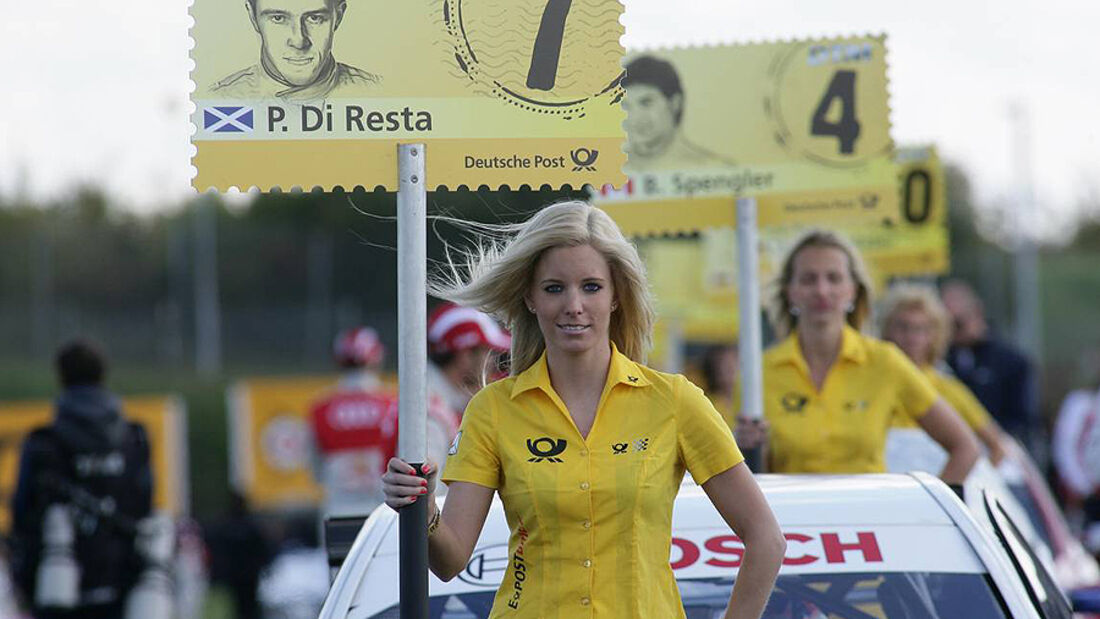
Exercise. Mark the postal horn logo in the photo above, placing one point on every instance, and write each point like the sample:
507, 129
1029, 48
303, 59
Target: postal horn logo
584, 159
545, 448
794, 402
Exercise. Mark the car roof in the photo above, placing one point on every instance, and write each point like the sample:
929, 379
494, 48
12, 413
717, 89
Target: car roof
837, 500
910, 523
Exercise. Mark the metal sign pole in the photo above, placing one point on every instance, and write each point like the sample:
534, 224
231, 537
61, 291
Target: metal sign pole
412, 346
750, 340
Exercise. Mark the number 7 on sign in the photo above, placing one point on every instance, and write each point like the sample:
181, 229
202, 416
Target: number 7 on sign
544, 58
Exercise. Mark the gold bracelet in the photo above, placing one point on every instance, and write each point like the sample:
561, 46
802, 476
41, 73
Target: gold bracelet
434, 523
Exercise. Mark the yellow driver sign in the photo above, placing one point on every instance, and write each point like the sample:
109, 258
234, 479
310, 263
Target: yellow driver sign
803, 126
318, 92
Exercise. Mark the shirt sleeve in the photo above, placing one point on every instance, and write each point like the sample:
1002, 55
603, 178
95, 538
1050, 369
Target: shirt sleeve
704, 440
963, 401
473, 456
915, 392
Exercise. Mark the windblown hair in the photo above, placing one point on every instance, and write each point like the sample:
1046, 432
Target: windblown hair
496, 274
904, 297
779, 306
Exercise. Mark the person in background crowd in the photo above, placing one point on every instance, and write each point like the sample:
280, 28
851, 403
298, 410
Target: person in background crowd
89, 457
1076, 452
720, 367
915, 320
239, 552
462, 347
355, 427
831, 392
586, 446
998, 374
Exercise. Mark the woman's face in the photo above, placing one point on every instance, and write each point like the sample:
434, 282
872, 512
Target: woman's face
821, 287
572, 297
912, 330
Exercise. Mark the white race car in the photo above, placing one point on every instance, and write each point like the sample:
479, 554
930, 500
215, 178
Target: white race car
858, 547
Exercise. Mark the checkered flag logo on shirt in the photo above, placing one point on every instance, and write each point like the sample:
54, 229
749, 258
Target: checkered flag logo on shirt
641, 444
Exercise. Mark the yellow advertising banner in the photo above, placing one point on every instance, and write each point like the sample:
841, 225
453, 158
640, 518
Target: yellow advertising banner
271, 443
314, 93
802, 126
695, 279
164, 419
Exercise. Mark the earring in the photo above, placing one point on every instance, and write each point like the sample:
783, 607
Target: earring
530, 309
794, 311
851, 308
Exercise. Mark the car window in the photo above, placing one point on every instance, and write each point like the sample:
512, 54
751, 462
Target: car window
1031, 508
871, 595
1041, 588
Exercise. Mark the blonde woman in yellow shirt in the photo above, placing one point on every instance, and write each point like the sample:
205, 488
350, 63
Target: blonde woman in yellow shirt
914, 318
586, 446
830, 392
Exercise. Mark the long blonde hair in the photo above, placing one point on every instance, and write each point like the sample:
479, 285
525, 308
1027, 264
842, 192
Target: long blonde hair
779, 307
496, 274
905, 297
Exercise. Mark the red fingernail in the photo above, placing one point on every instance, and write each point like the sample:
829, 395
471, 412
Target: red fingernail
423, 490
423, 482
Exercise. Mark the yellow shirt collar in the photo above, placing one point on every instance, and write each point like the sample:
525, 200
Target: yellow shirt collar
852, 349
622, 370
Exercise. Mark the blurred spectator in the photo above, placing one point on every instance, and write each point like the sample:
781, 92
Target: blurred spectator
1076, 453
914, 319
355, 427
462, 344
998, 374
721, 364
239, 552
84, 483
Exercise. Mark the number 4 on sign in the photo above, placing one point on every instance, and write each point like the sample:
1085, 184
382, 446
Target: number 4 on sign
543, 72
846, 130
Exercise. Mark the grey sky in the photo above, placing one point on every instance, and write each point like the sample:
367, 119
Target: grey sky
97, 91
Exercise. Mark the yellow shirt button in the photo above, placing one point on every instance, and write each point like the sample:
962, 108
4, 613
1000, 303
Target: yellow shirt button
585, 601
584, 453
588, 524
587, 563
584, 485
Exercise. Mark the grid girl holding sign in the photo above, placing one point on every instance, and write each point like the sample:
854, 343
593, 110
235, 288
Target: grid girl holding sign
830, 392
586, 446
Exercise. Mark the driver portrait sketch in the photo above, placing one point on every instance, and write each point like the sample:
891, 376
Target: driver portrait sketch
295, 61
654, 107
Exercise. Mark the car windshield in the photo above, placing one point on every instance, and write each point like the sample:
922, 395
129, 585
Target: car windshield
870, 595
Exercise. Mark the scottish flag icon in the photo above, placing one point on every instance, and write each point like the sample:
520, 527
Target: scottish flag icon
227, 119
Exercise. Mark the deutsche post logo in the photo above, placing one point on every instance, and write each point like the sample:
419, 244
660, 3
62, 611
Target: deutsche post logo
584, 159
619, 448
545, 448
794, 402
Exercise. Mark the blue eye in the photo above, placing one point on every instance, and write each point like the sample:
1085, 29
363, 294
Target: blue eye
553, 288
592, 287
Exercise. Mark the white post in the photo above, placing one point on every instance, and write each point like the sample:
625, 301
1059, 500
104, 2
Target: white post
412, 361
412, 303
748, 295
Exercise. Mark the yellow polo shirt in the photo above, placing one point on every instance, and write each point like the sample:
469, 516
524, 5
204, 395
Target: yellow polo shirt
590, 519
957, 395
842, 428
